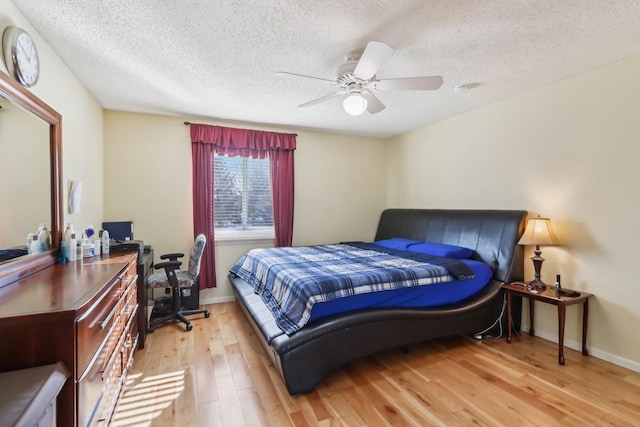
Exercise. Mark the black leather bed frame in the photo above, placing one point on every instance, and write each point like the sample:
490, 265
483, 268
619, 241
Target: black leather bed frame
307, 356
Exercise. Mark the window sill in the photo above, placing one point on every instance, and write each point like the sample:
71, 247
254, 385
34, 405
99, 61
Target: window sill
244, 237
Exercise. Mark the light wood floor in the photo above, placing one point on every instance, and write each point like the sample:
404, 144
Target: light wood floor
218, 375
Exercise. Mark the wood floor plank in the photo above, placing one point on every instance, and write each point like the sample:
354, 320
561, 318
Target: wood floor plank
363, 409
206, 388
219, 375
252, 408
320, 410
345, 413
238, 366
512, 394
230, 406
210, 414
479, 395
276, 414
185, 408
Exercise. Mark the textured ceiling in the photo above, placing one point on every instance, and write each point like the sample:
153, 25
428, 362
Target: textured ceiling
217, 59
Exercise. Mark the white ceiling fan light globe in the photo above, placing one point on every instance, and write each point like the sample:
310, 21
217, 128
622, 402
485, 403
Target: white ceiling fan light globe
354, 104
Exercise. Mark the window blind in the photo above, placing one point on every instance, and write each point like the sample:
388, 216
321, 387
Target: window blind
242, 193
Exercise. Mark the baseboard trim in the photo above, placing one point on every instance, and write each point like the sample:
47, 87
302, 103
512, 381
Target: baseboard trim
217, 300
616, 360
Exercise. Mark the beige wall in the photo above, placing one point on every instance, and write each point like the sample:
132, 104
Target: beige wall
340, 187
81, 123
569, 151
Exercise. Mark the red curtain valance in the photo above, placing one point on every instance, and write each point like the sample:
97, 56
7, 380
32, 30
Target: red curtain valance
242, 142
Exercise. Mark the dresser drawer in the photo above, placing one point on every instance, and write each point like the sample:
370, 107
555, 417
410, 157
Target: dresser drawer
101, 384
94, 326
131, 340
99, 387
130, 274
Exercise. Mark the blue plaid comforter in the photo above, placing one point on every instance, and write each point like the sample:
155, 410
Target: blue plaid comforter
291, 280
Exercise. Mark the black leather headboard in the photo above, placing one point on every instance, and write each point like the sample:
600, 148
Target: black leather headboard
492, 234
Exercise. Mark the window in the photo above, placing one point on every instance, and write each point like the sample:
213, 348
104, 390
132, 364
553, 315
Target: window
242, 198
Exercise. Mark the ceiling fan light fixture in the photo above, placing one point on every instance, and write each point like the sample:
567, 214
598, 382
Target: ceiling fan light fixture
354, 104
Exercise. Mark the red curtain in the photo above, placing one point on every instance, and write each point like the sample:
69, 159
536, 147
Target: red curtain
258, 144
281, 162
202, 160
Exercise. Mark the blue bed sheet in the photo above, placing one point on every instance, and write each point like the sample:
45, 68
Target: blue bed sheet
434, 295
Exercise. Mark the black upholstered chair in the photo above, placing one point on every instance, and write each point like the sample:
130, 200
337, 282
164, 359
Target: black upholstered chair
176, 279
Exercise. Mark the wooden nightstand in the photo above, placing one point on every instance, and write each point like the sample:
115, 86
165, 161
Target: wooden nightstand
549, 296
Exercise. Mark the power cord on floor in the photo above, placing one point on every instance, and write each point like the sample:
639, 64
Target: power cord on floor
480, 335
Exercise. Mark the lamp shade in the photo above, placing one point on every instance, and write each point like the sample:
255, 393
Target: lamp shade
354, 104
539, 233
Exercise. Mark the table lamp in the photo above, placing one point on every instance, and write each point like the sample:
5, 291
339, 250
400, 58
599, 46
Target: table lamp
538, 232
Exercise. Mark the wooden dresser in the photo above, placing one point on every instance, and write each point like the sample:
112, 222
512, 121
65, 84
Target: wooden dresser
82, 314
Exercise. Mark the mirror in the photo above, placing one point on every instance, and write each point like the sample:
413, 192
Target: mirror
31, 180
24, 170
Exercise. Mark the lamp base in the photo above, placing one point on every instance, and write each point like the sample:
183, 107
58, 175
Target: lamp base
538, 284
537, 266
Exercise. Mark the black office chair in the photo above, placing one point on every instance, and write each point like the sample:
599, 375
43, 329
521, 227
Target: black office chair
177, 280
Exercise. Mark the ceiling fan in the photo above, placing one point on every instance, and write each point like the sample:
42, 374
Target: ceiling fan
357, 83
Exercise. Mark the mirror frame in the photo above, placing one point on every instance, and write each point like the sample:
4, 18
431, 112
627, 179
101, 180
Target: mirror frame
15, 269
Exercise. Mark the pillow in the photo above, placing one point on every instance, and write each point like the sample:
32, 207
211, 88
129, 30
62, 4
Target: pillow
398, 243
441, 249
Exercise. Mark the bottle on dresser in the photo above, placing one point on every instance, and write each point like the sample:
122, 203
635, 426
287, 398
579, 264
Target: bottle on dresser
73, 247
105, 241
43, 238
97, 243
66, 238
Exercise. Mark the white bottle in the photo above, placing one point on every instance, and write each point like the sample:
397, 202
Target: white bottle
64, 254
43, 234
72, 248
105, 242
29, 240
35, 245
67, 235
96, 245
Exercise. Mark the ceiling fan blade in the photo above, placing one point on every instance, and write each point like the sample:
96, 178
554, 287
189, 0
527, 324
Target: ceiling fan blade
409, 83
322, 99
374, 105
302, 76
372, 58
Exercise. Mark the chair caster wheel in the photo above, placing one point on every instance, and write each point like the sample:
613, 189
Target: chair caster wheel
207, 314
151, 330
189, 327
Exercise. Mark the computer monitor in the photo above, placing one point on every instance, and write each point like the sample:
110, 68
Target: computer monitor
119, 230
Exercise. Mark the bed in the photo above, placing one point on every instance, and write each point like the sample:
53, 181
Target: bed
304, 357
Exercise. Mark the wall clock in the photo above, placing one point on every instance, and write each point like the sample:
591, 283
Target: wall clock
20, 56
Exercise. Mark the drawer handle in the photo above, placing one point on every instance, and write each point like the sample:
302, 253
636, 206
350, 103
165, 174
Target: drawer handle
108, 367
97, 303
112, 313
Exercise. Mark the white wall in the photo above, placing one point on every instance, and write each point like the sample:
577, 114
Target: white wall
82, 138
340, 187
569, 151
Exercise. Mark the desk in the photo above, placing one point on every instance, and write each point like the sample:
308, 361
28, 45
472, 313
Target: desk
145, 268
549, 296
